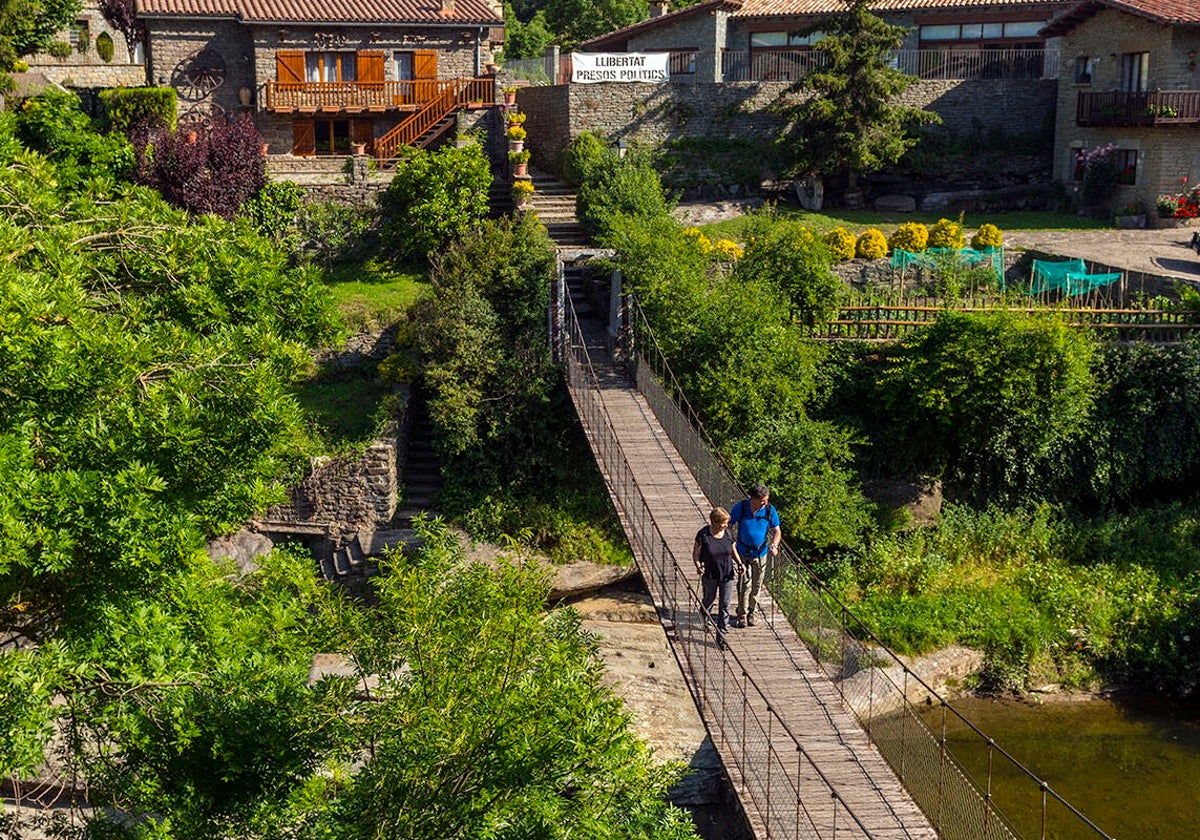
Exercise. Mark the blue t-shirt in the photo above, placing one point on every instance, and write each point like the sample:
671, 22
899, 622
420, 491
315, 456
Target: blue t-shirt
753, 529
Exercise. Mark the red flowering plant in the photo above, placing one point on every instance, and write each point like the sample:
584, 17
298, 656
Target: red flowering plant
1184, 205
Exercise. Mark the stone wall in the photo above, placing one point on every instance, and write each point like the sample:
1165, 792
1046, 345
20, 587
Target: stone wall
173, 44
86, 69
342, 495
649, 114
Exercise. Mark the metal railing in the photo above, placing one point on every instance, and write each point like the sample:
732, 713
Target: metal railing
871, 680
1152, 107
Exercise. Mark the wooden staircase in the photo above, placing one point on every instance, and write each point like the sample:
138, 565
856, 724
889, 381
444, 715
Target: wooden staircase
434, 118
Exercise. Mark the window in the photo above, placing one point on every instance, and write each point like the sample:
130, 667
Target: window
332, 137
768, 39
329, 67
78, 35
403, 62
1127, 166
1084, 65
1135, 71
1024, 29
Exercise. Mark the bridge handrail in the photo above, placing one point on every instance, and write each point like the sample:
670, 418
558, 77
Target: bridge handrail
640, 336
647, 526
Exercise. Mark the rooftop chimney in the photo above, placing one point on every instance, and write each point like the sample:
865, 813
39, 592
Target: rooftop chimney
448, 7
658, 8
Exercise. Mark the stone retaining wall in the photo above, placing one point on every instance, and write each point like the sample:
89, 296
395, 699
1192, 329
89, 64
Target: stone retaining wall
649, 114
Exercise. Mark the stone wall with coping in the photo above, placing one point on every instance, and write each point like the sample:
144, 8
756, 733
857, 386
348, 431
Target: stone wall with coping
649, 114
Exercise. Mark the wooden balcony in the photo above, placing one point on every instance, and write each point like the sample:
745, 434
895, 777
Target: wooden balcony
372, 97
1151, 107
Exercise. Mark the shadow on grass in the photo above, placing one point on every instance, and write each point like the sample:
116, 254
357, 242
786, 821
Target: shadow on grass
345, 408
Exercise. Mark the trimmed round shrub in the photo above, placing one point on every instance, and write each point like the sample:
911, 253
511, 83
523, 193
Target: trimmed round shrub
988, 236
104, 47
871, 245
842, 244
910, 236
946, 234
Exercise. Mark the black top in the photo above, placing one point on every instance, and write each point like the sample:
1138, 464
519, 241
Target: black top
716, 554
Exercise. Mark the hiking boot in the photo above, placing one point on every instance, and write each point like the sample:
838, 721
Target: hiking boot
736, 622
751, 621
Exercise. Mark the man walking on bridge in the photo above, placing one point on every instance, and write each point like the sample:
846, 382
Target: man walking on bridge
758, 536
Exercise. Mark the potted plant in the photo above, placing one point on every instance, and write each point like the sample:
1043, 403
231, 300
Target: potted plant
358, 148
510, 94
520, 163
522, 192
516, 138
515, 118
1131, 215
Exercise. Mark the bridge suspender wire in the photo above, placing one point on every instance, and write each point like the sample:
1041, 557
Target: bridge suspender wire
789, 719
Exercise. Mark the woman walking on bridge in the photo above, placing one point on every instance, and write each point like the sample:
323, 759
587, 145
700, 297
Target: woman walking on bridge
716, 558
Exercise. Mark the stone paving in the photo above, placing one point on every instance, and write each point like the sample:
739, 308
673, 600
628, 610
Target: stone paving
1165, 253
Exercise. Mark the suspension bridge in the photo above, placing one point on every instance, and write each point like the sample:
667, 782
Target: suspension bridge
814, 720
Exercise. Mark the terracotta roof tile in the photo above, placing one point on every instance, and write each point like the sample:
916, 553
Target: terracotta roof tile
763, 8
619, 36
1166, 11
322, 11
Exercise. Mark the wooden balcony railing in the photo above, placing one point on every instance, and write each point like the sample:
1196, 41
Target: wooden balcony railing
1152, 107
349, 97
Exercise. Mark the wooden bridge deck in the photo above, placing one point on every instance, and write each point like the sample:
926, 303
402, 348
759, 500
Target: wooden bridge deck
764, 694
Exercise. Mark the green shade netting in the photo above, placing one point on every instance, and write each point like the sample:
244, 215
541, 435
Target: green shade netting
1069, 277
935, 257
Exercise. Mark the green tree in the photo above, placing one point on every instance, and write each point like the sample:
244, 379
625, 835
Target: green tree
575, 21
525, 39
848, 120
434, 198
791, 256
988, 399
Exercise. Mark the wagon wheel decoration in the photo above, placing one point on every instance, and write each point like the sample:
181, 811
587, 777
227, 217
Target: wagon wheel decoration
202, 74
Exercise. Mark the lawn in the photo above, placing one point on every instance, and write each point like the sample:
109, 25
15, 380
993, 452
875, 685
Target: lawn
375, 293
856, 221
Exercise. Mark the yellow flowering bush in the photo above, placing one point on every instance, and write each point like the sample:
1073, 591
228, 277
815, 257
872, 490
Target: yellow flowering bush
727, 249
988, 236
946, 234
910, 236
702, 242
522, 188
871, 245
842, 243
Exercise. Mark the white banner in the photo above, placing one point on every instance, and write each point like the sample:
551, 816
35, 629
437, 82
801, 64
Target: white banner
587, 68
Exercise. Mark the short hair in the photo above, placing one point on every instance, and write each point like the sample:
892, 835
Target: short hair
759, 491
718, 516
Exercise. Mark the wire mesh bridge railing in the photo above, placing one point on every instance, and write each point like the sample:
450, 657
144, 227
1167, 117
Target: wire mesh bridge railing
782, 777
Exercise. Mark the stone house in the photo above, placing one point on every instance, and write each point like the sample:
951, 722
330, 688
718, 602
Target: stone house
765, 40
1130, 76
321, 77
80, 60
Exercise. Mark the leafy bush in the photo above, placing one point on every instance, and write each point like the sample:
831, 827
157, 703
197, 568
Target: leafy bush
585, 158
871, 245
626, 186
946, 234
274, 209
148, 107
988, 399
910, 236
790, 257
59, 49
842, 244
54, 124
201, 168
988, 236
434, 198
104, 47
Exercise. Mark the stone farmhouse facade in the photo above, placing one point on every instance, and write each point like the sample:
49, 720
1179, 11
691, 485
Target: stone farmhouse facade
321, 77
81, 65
1130, 76
778, 40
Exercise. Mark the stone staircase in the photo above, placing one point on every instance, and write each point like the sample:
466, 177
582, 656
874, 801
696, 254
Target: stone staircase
554, 202
422, 472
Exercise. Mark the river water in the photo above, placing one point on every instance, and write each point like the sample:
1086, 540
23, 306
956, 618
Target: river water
1131, 765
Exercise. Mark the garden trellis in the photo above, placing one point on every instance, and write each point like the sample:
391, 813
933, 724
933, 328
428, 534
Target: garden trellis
1069, 277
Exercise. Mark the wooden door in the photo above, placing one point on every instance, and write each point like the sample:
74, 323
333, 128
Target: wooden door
304, 141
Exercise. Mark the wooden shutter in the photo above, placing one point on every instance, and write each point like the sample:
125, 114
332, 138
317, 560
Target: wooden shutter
289, 65
370, 66
362, 131
425, 64
304, 138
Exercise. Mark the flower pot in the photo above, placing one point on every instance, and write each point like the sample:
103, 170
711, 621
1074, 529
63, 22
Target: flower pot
510, 99
1172, 222
520, 170
358, 148
1131, 222
491, 69
265, 147
516, 145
